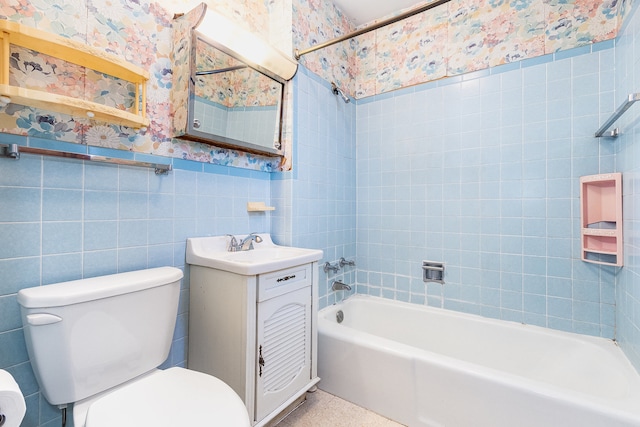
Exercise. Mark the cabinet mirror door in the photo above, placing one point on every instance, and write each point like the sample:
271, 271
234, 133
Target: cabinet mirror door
232, 104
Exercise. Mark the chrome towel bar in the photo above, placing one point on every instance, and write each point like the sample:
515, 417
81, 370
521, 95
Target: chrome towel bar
13, 151
631, 99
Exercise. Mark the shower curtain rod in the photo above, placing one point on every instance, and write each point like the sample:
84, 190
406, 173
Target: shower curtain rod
408, 14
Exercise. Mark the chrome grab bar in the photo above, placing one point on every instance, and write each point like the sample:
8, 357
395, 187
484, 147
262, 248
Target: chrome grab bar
631, 99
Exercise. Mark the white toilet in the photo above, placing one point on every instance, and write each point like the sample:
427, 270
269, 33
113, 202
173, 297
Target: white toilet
97, 343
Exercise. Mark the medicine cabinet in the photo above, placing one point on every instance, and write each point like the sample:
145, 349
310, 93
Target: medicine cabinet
228, 86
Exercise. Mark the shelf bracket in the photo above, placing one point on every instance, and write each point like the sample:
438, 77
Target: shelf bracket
631, 99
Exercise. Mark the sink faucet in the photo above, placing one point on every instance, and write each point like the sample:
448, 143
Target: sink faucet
246, 244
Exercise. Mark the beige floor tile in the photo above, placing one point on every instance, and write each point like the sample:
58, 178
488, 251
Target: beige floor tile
322, 409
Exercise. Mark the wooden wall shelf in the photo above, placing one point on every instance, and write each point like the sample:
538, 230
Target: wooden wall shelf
601, 219
79, 54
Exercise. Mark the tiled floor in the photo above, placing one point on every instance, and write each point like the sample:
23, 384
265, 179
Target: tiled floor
326, 410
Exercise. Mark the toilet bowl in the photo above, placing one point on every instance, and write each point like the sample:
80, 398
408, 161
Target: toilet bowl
97, 343
172, 397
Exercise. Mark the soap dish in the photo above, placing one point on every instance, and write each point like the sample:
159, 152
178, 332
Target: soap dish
259, 207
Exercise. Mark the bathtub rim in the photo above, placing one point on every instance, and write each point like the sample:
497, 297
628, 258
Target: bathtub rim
598, 341
626, 408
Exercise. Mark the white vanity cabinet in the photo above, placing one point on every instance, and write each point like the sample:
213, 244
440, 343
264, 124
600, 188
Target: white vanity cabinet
257, 333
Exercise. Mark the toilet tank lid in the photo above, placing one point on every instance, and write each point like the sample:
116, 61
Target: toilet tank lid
94, 288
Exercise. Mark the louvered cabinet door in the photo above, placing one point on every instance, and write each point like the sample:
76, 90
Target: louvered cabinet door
283, 359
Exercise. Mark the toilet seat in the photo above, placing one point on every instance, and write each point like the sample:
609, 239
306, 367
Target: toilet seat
172, 397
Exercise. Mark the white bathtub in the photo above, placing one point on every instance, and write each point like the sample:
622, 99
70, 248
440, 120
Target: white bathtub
425, 366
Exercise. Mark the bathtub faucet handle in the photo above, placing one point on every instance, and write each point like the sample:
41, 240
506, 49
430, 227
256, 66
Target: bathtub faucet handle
344, 262
330, 267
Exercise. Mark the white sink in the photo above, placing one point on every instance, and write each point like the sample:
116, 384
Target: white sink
265, 257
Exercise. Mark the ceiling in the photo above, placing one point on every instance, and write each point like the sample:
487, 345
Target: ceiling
365, 11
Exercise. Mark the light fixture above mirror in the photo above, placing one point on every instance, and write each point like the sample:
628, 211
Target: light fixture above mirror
245, 46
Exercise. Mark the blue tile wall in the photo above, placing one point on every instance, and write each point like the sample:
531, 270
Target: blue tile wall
316, 202
63, 219
627, 79
481, 172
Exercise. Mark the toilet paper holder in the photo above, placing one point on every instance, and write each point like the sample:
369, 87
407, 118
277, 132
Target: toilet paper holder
12, 404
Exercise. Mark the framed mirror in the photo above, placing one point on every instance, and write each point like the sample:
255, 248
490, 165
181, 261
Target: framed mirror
231, 100
233, 103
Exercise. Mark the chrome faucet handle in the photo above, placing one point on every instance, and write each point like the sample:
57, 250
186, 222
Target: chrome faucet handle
233, 243
344, 262
330, 267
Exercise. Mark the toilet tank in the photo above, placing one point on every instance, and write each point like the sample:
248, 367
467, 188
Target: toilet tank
86, 336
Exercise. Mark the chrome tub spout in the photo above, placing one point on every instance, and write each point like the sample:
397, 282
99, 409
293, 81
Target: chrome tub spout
339, 286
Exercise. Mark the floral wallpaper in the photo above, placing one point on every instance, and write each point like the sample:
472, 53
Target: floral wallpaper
137, 31
316, 21
452, 39
422, 42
